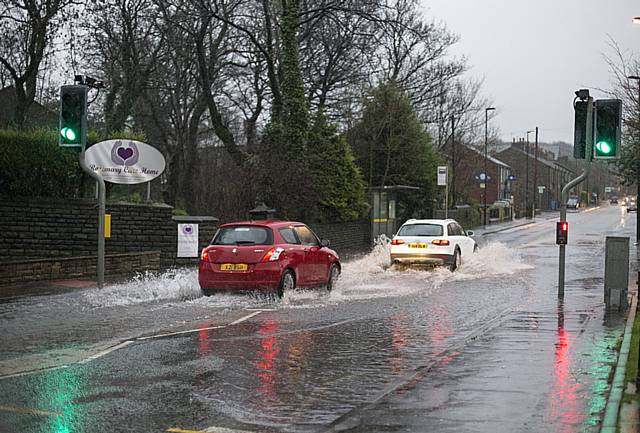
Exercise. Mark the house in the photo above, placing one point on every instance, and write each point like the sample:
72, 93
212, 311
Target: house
537, 181
38, 115
467, 178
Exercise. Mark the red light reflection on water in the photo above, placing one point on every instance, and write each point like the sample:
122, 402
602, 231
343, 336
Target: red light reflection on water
565, 403
267, 355
204, 347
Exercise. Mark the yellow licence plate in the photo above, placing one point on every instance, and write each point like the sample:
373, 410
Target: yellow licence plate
234, 267
417, 245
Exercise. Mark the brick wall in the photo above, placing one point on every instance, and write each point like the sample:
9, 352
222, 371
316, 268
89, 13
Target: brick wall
116, 265
41, 228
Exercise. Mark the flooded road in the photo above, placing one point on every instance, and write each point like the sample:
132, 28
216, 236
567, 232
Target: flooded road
487, 348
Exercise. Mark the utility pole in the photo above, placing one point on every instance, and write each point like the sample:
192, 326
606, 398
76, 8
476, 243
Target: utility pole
453, 159
526, 189
535, 178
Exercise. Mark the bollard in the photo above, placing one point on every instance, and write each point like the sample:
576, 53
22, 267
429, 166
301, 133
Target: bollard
616, 272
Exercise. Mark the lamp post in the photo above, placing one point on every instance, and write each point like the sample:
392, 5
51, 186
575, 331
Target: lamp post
636, 20
486, 179
637, 78
526, 194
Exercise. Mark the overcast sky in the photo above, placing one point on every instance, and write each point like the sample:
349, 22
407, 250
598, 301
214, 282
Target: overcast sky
535, 54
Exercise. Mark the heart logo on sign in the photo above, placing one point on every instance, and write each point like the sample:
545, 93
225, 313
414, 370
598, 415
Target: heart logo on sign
187, 229
124, 153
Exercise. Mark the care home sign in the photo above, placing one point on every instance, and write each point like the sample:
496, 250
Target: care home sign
188, 240
125, 161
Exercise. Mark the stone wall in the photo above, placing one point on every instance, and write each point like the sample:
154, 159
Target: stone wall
41, 228
346, 238
116, 265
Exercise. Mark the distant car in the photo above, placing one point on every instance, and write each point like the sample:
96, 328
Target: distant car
267, 255
613, 200
573, 203
432, 242
632, 206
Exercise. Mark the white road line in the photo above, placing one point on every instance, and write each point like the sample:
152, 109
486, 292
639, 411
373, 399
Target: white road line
189, 331
27, 373
247, 317
106, 352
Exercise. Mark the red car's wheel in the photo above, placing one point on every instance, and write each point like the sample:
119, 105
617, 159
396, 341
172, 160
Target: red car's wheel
334, 274
287, 282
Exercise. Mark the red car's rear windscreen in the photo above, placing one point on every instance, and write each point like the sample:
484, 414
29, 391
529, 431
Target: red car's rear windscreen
243, 235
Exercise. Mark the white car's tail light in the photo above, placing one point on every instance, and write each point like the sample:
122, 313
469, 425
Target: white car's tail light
441, 242
397, 242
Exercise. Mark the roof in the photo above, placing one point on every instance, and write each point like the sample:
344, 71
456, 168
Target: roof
430, 221
489, 157
268, 223
543, 161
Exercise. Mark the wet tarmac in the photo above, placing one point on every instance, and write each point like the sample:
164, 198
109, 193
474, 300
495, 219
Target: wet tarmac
488, 348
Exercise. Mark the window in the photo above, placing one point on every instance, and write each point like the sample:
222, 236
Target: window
459, 230
306, 236
289, 236
243, 235
420, 230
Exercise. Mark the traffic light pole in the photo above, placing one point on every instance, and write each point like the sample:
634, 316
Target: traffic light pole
563, 217
101, 211
565, 192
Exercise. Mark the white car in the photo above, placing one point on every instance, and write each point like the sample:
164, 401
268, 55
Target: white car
432, 242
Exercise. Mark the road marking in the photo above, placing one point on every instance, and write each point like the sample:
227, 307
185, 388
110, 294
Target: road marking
247, 317
28, 410
29, 372
181, 430
188, 331
106, 352
261, 309
207, 430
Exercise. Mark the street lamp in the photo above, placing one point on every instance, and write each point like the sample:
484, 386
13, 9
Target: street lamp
526, 193
485, 180
637, 78
636, 20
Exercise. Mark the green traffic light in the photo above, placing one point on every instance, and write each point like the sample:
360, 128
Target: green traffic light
603, 147
68, 133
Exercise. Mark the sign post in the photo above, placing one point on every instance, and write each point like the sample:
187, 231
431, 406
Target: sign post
118, 161
442, 181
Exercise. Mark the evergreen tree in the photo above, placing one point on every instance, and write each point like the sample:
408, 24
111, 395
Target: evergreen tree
392, 147
338, 183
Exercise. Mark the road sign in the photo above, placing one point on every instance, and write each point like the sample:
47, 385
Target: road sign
541, 189
442, 175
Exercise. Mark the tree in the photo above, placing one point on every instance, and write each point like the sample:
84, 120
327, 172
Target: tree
337, 178
27, 29
621, 67
392, 146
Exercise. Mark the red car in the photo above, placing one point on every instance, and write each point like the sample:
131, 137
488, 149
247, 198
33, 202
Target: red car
272, 255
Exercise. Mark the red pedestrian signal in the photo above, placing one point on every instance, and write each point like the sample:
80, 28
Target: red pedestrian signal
562, 232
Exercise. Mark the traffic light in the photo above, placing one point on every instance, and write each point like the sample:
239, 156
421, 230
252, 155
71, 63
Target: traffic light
562, 232
607, 136
73, 119
582, 127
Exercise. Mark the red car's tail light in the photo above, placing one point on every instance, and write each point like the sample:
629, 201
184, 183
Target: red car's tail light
273, 254
397, 242
440, 242
204, 255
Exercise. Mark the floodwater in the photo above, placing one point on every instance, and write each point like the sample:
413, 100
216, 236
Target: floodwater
487, 348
